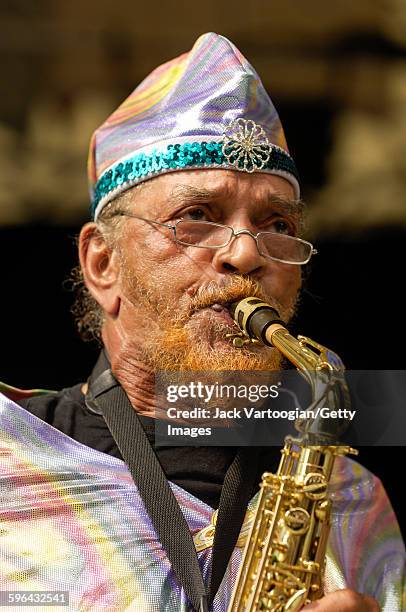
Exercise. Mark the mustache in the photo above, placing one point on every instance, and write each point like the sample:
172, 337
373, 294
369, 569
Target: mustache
235, 288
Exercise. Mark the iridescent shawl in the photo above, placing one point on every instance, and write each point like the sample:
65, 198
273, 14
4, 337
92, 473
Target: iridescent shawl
71, 520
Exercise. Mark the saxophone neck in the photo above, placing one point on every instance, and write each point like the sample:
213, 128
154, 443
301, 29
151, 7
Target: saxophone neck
321, 367
261, 322
299, 352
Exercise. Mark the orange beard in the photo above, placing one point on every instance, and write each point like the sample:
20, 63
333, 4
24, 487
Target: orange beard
192, 337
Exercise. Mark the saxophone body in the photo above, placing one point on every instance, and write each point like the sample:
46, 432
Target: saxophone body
284, 560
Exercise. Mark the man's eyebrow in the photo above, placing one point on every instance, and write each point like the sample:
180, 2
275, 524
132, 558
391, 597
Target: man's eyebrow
187, 193
287, 205
182, 194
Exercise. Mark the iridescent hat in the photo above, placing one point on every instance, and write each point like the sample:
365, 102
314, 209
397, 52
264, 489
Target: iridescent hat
205, 109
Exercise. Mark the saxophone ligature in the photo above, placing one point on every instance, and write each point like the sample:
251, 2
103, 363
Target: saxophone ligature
283, 564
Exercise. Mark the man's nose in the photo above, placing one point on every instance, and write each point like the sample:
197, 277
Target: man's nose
240, 256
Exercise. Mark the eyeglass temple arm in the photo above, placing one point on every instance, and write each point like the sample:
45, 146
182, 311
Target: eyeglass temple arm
123, 213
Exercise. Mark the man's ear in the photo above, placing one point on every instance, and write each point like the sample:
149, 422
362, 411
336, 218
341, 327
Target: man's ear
101, 268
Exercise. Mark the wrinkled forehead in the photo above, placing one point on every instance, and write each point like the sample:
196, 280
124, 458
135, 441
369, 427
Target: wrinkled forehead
218, 188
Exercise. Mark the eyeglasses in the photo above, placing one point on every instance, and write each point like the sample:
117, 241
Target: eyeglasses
208, 235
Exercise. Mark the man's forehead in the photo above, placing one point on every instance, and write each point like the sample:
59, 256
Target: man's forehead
182, 194
220, 187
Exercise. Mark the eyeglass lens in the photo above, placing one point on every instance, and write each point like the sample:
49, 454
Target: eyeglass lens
283, 247
212, 235
203, 234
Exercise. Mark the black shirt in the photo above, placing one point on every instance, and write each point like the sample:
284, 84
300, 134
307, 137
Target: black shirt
197, 469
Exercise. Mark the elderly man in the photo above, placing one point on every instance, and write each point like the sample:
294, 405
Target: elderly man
195, 204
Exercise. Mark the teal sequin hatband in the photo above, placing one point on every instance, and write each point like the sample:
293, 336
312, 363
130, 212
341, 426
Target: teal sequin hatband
190, 155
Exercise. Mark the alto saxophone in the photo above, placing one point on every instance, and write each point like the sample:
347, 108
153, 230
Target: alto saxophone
284, 560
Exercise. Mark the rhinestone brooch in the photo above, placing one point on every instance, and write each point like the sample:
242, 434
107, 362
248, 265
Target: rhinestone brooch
245, 145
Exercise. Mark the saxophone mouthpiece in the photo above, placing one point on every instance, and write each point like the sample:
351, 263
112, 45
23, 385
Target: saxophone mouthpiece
254, 317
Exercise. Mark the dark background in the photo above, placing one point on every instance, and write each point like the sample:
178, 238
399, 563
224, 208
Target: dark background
336, 78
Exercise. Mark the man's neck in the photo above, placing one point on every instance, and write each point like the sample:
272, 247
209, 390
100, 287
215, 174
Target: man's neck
138, 381
129, 367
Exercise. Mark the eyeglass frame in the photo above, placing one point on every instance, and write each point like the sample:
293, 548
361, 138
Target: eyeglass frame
234, 234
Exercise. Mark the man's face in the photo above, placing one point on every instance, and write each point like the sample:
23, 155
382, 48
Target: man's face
172, 296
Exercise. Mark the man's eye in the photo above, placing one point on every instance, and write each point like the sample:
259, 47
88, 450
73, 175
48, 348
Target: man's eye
195, 214
281, 227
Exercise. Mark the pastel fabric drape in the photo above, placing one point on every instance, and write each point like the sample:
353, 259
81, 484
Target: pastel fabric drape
71, 519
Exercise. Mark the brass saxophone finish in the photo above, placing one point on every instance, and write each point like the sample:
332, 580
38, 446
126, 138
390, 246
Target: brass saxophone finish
284, 560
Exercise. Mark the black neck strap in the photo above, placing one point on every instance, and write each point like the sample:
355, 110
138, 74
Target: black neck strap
106, 396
